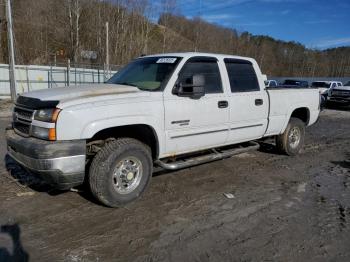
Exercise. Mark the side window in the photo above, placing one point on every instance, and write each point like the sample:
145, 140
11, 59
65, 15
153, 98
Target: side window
334, 85
203, 66
340, 84
242, 76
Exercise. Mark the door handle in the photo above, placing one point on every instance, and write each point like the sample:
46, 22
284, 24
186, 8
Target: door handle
222, 104
259, 102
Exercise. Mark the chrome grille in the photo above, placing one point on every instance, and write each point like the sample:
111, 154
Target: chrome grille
336, 92
22, 129
22, 120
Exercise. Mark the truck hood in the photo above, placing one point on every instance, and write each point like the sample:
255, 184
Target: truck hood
69, 93
65, 96
343, 88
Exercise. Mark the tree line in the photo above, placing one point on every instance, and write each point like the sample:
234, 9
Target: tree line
49, 31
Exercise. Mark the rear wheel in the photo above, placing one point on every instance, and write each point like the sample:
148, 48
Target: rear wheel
120, 172
292, 140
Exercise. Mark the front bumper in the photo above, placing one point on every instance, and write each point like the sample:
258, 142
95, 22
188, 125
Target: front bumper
60, 163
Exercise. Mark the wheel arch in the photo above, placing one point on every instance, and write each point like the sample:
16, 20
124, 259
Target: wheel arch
302, 113
142, 132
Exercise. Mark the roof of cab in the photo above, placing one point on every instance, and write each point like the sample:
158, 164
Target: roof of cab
191, 54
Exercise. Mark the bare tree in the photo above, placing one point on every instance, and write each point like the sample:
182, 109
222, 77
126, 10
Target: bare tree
74, 13
45, 29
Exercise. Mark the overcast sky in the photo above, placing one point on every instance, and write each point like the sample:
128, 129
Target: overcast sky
314, 23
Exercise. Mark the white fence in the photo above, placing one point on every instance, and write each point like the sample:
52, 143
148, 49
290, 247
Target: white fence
33, 77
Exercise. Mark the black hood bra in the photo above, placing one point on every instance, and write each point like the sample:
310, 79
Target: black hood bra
35, 103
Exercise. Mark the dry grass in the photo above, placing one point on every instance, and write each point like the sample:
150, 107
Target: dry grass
6, 106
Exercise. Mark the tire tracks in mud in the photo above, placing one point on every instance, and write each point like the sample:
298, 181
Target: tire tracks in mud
284, 207
326, 217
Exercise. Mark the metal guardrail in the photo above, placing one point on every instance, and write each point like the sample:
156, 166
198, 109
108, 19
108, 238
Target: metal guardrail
33, 77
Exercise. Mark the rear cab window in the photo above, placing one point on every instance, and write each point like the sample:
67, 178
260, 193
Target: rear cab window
242, 75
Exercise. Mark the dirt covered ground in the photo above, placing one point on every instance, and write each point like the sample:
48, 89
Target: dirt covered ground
284, 209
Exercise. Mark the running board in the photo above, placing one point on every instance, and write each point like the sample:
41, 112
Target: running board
216, 155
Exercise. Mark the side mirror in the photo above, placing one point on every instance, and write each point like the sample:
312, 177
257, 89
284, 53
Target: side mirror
193, 88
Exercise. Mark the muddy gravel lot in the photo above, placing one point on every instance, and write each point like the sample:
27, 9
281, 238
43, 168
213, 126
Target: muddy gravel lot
284, 209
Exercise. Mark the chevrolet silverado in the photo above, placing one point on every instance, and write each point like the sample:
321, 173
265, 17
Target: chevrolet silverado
167, 111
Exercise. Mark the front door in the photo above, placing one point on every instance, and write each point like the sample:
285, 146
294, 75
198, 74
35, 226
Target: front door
195, 124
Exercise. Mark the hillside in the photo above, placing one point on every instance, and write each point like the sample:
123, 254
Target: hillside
50, 30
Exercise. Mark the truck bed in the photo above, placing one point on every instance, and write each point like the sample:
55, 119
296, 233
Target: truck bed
284, 100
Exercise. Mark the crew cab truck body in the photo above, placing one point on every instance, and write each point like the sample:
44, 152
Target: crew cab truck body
154, 111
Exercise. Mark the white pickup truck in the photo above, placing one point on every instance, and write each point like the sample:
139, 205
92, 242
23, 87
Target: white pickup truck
340, 95
325, 87
169, 110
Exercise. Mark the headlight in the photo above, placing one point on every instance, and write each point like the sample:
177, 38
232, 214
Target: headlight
45, 131
47, 115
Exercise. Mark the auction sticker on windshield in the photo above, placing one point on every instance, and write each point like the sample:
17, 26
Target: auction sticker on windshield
166, 60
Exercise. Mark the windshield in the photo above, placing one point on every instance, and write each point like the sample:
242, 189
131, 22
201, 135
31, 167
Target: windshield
148, 73
321, 84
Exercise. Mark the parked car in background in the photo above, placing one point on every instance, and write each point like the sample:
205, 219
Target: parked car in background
271, 83
291, 83
325, 86
340, 95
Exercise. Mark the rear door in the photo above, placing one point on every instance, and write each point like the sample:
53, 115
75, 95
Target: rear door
248, 104
194, 124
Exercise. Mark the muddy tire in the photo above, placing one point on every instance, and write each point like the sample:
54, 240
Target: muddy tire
120, 172
292, 140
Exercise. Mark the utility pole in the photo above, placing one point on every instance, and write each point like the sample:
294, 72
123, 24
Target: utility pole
1, 22
68, 72
107, 51
199, 27
11, 49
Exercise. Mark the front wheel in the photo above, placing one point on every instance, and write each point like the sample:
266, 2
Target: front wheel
292, 140
120, 172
